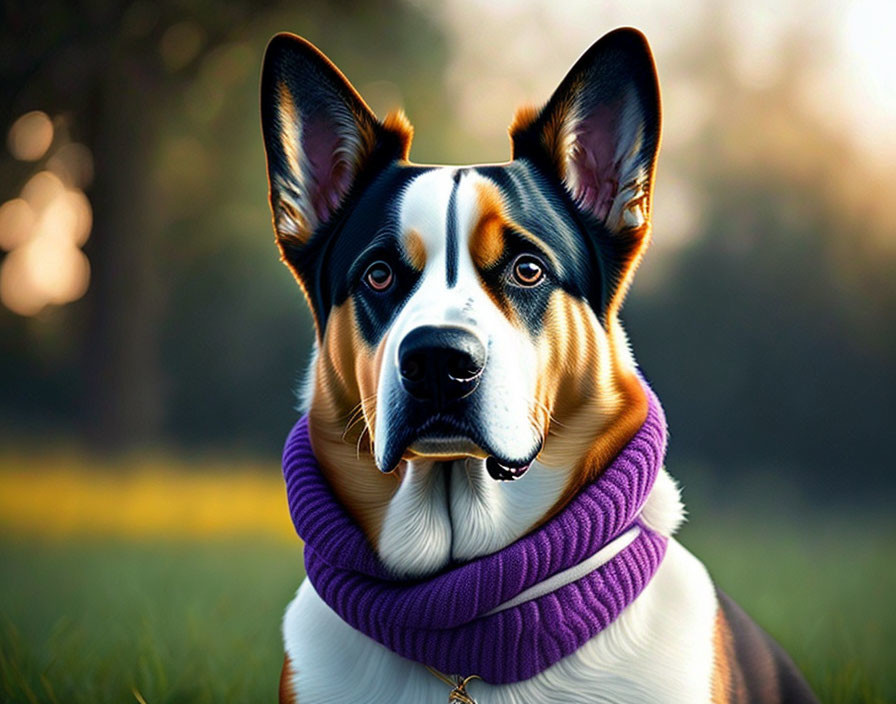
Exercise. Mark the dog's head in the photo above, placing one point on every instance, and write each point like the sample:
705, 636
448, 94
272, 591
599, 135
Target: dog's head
466, 317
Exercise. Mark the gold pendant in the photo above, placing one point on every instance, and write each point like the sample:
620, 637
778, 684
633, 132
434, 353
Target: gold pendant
459, 692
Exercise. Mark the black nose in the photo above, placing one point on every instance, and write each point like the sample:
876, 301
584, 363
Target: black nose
440, 364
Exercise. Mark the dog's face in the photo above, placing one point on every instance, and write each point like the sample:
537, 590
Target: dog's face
466, 317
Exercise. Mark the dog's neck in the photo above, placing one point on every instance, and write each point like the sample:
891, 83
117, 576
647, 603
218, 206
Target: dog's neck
554, 564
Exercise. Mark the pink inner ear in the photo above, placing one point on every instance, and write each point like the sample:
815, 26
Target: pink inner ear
595, 170
329, 171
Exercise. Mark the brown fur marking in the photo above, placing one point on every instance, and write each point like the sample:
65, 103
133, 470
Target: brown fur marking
487, 241
414, 249
760, 671
399, 124
723, 683
342, 420
554, 133
596, 401
487, 236
523, 118
287, 692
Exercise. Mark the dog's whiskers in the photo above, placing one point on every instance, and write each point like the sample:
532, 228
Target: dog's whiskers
356, 415
552, 423
551, 417
365, 430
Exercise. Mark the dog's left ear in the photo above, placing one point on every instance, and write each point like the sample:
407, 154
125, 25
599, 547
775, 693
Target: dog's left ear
599, 134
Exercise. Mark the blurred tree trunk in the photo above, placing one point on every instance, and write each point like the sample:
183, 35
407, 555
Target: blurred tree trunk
123, 398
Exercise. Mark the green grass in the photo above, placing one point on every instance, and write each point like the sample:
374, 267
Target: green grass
96, 620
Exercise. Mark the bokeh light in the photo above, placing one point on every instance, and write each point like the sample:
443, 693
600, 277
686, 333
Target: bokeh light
17, 220
18, 290
44, 228
30, 136
41, 189
67, 215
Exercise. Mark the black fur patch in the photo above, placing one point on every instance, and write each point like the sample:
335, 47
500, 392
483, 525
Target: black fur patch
451, 234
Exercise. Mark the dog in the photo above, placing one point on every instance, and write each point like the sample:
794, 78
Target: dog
473, 408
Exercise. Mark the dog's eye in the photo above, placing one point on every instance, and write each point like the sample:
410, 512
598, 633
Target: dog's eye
528, 270
379, 276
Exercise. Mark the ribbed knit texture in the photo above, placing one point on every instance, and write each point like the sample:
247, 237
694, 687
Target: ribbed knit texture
440, 621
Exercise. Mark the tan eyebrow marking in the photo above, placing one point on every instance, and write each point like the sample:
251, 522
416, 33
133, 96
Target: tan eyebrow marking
487, 240
414, 249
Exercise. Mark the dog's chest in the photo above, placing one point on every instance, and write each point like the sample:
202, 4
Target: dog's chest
659, 650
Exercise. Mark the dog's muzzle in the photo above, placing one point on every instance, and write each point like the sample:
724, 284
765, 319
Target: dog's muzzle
439, 368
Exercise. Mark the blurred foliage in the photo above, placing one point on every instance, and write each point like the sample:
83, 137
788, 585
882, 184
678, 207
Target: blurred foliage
769, 332
772, 337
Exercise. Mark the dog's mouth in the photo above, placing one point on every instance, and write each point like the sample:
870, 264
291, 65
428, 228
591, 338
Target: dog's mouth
505, 472
446, 438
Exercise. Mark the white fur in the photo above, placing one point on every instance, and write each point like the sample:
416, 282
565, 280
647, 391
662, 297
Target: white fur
664, 510
430, 521
488, 515
305, 388
416, 534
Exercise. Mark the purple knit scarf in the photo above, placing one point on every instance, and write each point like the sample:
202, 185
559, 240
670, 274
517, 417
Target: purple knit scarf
445, 621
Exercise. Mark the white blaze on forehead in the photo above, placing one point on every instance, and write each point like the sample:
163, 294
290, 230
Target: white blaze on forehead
424, 209
428, 209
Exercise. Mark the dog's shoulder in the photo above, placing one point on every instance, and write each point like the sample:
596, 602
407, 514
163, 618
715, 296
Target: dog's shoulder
750, 665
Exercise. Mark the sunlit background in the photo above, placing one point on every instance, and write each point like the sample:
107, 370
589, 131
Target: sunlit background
151, 341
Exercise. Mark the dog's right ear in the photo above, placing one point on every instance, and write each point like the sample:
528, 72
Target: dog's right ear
598, 135
321, 140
